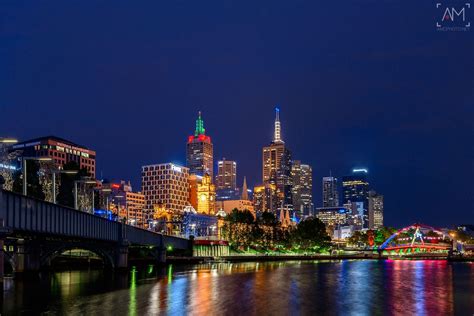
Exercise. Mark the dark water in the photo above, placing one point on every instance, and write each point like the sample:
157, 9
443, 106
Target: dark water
274, 288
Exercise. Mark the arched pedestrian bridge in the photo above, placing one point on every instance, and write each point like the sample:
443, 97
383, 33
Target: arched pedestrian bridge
417, 239
33, 232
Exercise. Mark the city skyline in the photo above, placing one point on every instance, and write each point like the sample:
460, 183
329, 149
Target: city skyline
348, 98
276, 137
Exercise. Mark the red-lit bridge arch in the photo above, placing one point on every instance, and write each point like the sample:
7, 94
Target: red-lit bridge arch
417, 238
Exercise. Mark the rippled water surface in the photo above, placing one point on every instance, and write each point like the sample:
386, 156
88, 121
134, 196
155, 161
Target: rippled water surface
273, 288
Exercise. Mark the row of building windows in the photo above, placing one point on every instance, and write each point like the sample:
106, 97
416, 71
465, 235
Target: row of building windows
148, 187
172, 197
167, 204
174, 192
165, 177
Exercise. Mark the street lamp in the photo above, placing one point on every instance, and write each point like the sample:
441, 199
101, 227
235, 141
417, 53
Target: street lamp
5, 140
54, 180
75, 192
25, 183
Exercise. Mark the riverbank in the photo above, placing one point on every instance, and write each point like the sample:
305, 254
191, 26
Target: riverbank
261, 258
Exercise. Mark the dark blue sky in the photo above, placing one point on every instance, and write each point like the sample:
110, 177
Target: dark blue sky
360, 83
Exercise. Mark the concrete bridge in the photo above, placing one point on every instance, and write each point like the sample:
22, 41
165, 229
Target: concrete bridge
34, 232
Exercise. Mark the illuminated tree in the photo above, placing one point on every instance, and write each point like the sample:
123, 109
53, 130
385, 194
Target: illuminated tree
45, 175
7, 170
383, 234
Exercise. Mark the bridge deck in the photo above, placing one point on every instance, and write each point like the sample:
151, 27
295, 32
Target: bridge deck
24, 215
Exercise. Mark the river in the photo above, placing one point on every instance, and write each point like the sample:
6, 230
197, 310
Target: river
348, 287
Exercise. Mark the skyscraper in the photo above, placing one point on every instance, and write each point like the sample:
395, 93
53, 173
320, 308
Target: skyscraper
330, 194
226, 175
124, 202
302, 179
276, 160
165, 184
265, 198
200, 151
375, 210
356, 190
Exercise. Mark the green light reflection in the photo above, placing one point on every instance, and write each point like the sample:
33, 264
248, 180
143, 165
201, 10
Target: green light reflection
132, 306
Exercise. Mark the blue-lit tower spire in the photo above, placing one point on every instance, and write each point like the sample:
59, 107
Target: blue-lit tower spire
277, 132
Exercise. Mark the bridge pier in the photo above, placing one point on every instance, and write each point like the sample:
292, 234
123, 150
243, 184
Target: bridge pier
121, 259
161, 254
27, 257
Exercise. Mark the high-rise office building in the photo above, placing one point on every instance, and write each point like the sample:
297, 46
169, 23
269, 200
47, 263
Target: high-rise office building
375, 210
330, 193
265, 198
165, 184
355, 189
200, 151
124, 202
302, 179
333, 216
276, 160
226, 175
61, 152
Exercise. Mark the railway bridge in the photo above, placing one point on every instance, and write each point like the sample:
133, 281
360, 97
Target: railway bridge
34, 232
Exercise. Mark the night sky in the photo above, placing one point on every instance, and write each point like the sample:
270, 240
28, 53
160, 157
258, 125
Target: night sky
360, 84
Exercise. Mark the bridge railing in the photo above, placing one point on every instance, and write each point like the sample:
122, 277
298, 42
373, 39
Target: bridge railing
142, 236
21, 213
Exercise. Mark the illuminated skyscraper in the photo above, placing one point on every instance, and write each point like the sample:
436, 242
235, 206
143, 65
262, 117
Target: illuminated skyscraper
330, 194
226, 175
200, 151
375, 210
356, 190
276, 160
165, 184
265, 198
302, 179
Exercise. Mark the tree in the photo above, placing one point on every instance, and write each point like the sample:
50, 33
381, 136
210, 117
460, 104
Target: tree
358, 238
239, 229
268, 218
7, 172
310, 234
383, 234
237, 216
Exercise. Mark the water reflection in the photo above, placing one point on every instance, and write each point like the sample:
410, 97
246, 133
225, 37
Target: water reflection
341, 287
420, 287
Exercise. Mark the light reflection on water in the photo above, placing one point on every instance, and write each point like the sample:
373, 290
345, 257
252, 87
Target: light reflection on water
278, 288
